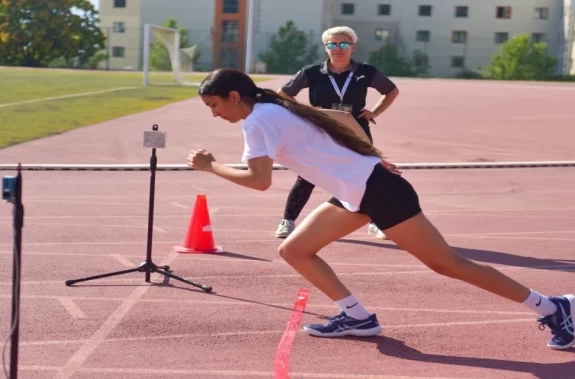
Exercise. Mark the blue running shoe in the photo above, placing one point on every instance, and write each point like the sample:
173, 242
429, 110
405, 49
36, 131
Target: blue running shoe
343, 325
560, 323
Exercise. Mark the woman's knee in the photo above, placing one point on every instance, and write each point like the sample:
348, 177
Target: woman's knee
292, 251
287, 252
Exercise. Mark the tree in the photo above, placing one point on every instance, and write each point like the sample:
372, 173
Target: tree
289, 50
521, 59
33, 33
388, 60
420, 63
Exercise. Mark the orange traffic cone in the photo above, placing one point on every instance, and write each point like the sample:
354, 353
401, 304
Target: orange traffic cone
199, 238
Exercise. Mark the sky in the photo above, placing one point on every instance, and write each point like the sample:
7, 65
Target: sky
96, 3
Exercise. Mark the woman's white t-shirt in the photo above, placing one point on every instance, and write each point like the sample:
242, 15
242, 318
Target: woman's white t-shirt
273, 131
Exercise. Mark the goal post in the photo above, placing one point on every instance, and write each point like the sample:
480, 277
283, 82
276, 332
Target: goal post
155, 35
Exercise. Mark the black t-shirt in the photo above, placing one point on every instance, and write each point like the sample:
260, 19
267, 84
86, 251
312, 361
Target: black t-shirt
323, 94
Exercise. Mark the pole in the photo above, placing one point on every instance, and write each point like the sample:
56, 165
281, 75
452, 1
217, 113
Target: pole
108, 47
567, 63
153, 165
176, 58
18, 225
249, 36
146, 54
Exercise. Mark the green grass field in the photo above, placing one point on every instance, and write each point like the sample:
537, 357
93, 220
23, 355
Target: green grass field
41, 116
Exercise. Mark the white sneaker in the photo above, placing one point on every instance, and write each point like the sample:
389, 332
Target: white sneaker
373, 230
285, 228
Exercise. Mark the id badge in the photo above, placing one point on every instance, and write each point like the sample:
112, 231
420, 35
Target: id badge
346, 108
342, 107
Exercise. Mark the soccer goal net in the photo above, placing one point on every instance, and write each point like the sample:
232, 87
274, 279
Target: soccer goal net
165, 61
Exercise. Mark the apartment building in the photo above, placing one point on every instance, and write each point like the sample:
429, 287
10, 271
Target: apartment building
454, 34
309, 16
122, 21
229, 35
217, 27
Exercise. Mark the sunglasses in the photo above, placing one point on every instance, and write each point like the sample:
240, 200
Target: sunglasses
342, 45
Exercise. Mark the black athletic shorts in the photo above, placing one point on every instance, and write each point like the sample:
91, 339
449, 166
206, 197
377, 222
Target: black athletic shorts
388, 200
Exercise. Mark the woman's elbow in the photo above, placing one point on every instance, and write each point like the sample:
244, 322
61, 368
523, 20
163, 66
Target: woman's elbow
264, 184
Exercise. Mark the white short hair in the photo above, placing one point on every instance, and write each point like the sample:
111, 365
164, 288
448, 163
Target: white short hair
339, 30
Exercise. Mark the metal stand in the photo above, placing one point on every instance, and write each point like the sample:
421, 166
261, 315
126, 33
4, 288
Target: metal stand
12, 193
154, 140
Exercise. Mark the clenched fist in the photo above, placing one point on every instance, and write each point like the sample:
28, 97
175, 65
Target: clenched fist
200, 160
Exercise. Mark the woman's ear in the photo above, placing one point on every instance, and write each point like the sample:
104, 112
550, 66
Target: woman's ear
234, 97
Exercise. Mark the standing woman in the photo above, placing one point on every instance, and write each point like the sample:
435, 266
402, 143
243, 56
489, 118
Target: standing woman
337, 83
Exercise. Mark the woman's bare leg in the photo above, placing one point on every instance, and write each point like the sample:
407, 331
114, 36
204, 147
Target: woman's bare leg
324, 225
420, 238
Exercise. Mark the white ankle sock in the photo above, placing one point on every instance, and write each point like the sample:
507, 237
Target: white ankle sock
352, 308
540, 304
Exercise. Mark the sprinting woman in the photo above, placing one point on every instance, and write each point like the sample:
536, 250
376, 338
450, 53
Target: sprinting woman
333, 157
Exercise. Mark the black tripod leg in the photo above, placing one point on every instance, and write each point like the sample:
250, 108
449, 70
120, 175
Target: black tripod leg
196, 284
70, 282
167, 268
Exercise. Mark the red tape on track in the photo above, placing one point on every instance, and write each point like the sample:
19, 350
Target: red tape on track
281, 361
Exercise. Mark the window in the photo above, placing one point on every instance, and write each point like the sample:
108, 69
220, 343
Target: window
542, 13
384, 9
119, 27
119, 3
425, 10
501, 37
538, 37
459, 36
118, 51
503, 12
230, 31
347, 8
461, 11
229, 58
231, 6
381, 34
422, 36
457, 61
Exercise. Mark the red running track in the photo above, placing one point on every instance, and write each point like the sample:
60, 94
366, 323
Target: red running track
79, 224
431, 121
518, 220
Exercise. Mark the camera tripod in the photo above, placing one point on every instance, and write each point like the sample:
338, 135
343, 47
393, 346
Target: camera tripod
153, 139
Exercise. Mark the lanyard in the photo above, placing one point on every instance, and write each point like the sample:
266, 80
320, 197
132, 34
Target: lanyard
334, 84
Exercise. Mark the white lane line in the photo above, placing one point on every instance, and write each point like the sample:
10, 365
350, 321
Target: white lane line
71, 307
